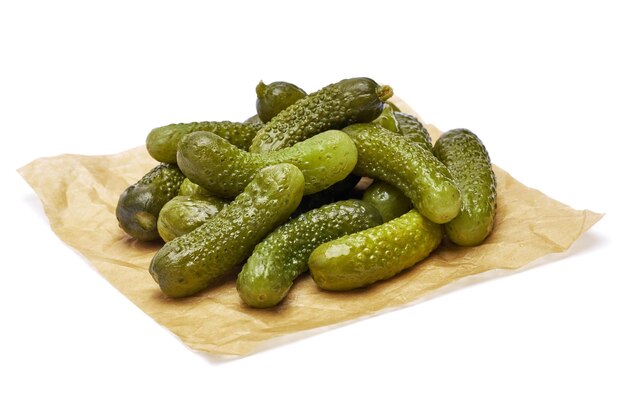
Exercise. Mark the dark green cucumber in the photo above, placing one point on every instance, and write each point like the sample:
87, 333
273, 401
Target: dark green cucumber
416, 172
467, 159
162, 142
374, 254
224, 170
389, 201
333, 107
192, 262
182, 214
276, 97
412, 129
387, 119
282, 256
139, 205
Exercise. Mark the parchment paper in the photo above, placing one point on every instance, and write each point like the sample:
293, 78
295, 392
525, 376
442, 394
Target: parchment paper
79, 195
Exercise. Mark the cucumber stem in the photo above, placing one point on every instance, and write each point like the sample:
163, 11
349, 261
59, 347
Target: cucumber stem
260, 89
384, 92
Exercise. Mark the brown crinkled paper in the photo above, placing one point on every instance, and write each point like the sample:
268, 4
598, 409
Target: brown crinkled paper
79, 194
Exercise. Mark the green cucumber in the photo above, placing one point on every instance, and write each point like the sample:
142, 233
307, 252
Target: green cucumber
224, 170
282, 256
389, 201
162, 142
363, 258
387, 119
191, 189
333, 107
182, 214
416, 172
276, 97
467, 159
412, 129
199, 259
139, 205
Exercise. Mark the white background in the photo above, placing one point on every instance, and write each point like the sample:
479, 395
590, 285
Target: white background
542, 83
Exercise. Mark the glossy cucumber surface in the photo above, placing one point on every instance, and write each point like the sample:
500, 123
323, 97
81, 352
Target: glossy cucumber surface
275, 97
387, 199
416, 172
224, 170
182, 214
333, 107
467, 159
363, 258
282, 256
162, 142
192, 262
412, 129
139, 205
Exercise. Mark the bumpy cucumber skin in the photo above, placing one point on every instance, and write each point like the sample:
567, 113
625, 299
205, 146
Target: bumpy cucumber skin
224, 170
412, 129
467, 159
276, 97
333, 107
192, 262
387, 119
139, 205
282, 256
416, 172
162, 142
182, 214
374, 254
389, 201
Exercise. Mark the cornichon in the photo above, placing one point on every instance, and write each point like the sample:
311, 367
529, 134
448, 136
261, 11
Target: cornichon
412, 129
374, 254
387, 119
189, 188
275, 97
467, 159
139, 205
389, 201
333, 107
282, 256
201, 258
162, 142
224, 170
182, 214
416, 172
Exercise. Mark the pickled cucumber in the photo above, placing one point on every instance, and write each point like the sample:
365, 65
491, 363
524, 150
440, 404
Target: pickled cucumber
275, 97
201, 258
374, 254
467, 159
416, 172
412, 129
224, 170
189, 188
139, 205
162, 142
389, 201
282, 256
333, 107
387, 119
182, 214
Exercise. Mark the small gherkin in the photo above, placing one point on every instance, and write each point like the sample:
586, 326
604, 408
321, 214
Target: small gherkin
335, 106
